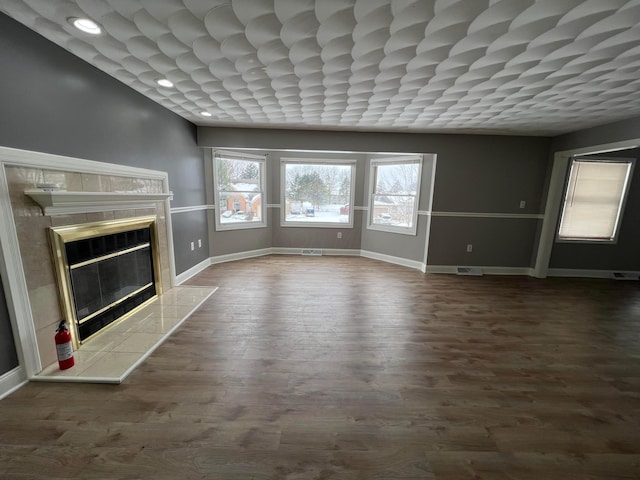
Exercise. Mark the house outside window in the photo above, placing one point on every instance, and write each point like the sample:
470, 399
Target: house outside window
594, 199
394, 194
317, 192
239, 184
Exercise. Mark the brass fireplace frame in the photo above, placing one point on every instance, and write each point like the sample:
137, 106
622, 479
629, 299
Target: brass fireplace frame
61, 235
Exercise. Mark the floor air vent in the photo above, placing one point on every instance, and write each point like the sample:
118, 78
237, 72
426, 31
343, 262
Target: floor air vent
469, 271
317, 252
624, 276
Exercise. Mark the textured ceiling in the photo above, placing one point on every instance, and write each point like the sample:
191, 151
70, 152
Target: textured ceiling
508, 66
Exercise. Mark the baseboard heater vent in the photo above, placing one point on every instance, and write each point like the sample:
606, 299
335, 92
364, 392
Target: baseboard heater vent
316, 252
469, 271
624, 276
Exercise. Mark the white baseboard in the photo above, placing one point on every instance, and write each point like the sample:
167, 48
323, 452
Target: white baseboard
325, 251
391, 259
12, 381
583, 273
453, 269
448, 269
193, 271
240, 256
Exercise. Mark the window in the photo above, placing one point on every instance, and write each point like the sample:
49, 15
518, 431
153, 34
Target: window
394, 194
239, 190
317, 193
594, 198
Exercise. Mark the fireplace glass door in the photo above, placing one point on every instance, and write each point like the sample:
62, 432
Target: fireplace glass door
110, 276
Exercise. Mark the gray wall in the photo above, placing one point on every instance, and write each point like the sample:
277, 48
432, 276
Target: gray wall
410, 247
622, 255
189, 227
497, 242
475, 174
8, 354
609, 133
54, 102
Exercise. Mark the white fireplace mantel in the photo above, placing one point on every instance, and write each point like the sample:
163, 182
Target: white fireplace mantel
58, 202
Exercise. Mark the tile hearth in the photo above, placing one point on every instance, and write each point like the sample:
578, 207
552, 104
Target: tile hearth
115, 354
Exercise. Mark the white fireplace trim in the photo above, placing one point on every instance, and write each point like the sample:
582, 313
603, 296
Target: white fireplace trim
13, 276
66, 203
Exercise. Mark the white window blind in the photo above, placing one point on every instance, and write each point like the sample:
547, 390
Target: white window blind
594, 198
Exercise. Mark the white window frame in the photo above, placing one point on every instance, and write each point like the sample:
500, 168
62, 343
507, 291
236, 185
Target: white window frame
315, 161
623, 200
262, 161
405, 159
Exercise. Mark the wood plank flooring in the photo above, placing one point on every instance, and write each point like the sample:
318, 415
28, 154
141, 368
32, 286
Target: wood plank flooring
348, 368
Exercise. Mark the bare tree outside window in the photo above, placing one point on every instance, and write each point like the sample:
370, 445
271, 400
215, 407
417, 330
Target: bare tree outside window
394, 194
316, 192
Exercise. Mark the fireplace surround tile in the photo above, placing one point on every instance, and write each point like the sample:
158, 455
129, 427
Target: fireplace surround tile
32, 232
70, 181
151, 324
62, 220
119, 214
138, 342
111, 366
101, 216
112, 356
91, 182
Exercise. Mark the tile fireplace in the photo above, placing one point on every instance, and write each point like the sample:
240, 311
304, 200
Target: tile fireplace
85, 193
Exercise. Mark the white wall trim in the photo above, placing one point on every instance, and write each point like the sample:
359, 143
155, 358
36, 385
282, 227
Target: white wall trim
357, 207
273, 205
453, 269
429, 269
488, 215
240, 256
12, 381
192, 272
405, 262
584, 273
67, 203
325, 251
428, 212
15, 284
183, 277
12, 156
194, 208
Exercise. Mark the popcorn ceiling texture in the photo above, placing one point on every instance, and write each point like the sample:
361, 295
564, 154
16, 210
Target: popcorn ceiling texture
510, 66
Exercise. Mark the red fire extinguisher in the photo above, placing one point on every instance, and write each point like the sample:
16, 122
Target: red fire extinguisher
64, 347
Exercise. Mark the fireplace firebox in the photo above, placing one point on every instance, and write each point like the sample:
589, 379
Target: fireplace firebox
106, 270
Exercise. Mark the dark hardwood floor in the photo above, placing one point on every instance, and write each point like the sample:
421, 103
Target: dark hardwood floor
348, 368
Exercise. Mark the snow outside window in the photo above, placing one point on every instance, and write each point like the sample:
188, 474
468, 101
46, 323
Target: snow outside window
594, 199
394, 194
239, 190
317, 193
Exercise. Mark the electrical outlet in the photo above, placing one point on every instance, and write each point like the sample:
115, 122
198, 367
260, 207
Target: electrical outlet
469, 248
192, 247
339, 235
523, 204
199, 243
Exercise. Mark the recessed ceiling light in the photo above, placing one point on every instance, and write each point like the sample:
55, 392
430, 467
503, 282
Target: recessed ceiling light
163, 82
86, 25
205, 114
